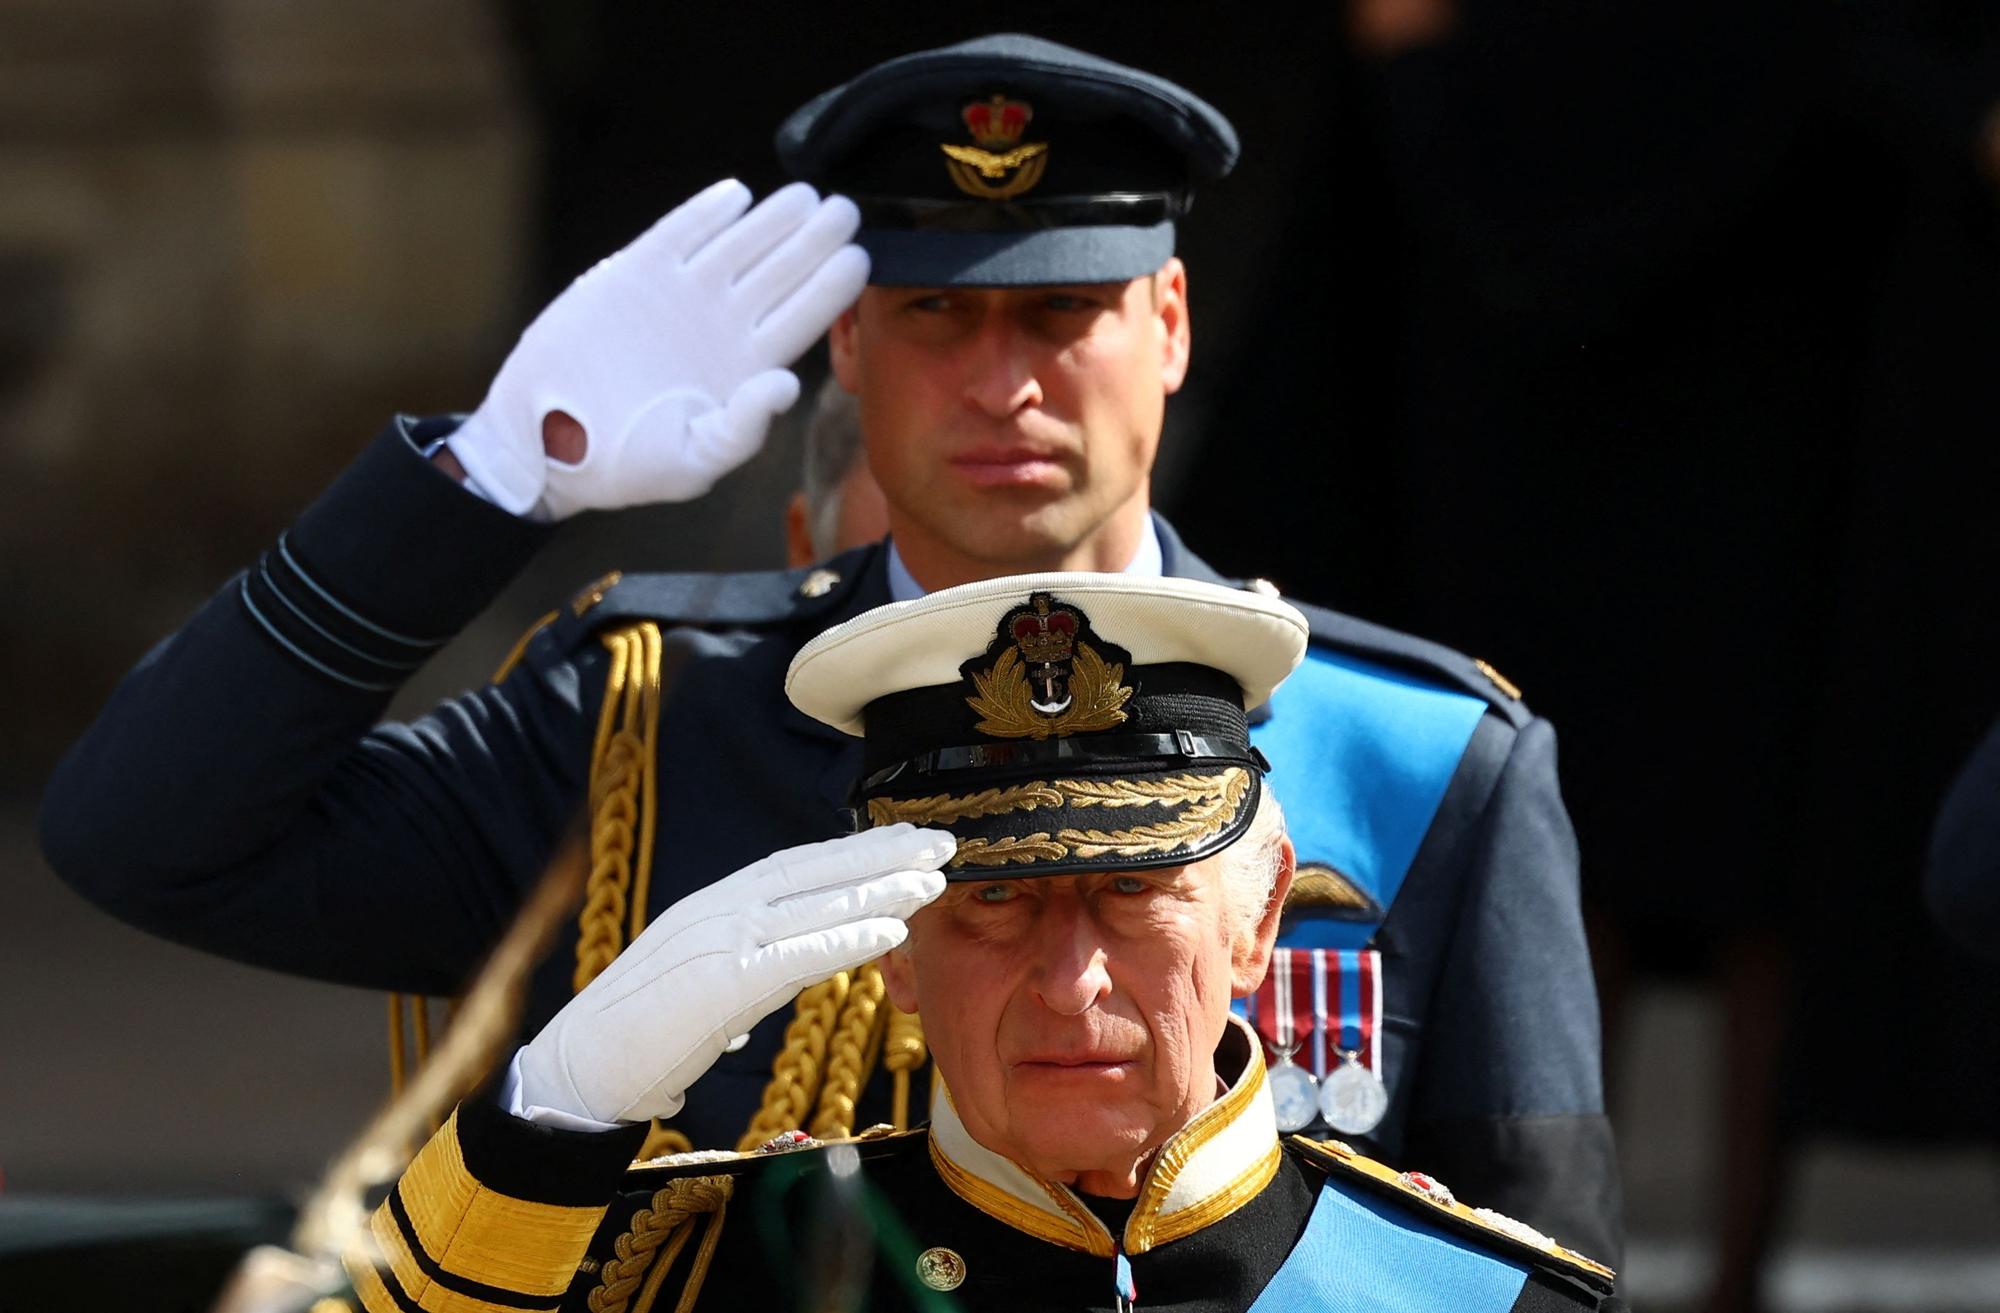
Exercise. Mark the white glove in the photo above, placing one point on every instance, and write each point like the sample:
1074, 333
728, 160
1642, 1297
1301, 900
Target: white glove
669, 353
717, 962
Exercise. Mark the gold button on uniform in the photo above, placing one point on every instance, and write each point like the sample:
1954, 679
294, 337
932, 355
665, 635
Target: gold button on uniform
941, 1268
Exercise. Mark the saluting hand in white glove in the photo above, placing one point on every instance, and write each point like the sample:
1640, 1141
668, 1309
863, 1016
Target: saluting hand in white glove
671, 354
719, 961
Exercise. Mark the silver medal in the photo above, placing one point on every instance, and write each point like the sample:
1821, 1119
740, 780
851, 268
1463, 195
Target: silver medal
1294, 1095
1352, 1098
1294, 1092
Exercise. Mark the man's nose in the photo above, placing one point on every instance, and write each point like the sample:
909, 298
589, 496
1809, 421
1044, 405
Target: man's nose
1001, 377
1072, 975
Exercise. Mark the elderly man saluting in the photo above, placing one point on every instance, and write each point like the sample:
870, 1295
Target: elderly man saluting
1072, 864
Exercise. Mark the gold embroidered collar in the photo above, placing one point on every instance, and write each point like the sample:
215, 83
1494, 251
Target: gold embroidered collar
1210, 1168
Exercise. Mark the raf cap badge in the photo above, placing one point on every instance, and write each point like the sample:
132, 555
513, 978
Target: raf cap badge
1043, 678
999, 167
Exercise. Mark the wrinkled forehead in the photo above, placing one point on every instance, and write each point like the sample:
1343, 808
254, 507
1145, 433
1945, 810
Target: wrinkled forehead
1194, 883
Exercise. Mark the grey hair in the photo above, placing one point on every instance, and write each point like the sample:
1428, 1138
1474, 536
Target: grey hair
1250, 865
833, 444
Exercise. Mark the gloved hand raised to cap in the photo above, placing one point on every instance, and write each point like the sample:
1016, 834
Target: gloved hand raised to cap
720, 960
670, 354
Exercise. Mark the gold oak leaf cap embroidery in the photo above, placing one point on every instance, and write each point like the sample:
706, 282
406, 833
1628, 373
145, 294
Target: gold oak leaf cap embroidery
1009, 161
1058, 722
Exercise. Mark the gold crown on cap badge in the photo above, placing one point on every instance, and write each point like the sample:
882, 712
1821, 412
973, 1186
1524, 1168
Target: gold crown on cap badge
998, 167
1046, 680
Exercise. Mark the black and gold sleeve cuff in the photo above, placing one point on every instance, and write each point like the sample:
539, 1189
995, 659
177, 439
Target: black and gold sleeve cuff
494, 1213
386, 566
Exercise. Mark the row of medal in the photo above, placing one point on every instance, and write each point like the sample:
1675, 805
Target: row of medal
1342, 1089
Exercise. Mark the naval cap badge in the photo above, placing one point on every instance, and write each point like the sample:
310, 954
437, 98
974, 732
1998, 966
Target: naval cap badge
1044, 678
999, 167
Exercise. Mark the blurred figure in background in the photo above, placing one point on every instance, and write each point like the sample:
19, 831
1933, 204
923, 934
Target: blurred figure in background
839, 504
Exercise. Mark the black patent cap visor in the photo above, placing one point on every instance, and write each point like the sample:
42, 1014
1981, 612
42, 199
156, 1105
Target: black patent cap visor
902, 257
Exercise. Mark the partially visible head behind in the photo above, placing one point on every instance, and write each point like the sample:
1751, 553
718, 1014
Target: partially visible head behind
1120, 866
838, 505
1026, 317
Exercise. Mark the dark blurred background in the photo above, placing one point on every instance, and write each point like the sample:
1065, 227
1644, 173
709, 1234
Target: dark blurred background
1650, 353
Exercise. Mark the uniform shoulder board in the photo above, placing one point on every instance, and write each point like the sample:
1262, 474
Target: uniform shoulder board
794, 1147
1494, 1231
663, 1202
742, 600
1406, 653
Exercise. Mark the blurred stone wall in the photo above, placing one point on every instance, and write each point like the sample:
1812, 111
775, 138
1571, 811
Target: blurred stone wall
234, 235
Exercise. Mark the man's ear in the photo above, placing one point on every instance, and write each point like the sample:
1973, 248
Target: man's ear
798, 532
843, 347
1250, 953
899, 976
1170, 304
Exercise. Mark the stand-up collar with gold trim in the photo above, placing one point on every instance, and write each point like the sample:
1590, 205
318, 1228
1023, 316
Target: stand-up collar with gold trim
1211, 1167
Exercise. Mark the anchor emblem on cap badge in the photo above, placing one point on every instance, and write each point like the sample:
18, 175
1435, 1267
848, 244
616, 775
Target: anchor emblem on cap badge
1044, 679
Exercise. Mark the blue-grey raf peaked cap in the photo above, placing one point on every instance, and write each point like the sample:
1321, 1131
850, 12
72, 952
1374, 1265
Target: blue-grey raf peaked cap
1010, 161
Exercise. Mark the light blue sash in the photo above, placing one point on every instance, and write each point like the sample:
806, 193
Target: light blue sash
1364, 1254
1361, 756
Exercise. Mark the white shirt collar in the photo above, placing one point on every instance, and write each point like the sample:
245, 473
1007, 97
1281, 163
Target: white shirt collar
1146, 563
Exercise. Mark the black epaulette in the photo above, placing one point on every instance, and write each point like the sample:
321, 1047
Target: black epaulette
1482, 1226
1404, 652
744, 599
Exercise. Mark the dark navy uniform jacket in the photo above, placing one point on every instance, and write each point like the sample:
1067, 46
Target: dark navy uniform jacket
237, 795
1227, 1218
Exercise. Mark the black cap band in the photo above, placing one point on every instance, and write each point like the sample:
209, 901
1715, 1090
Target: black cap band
1127, 208
1126, 749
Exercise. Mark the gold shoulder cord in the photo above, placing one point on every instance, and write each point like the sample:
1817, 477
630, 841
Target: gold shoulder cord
630, 1282
835, 1035
624, 780
840, 1027
623, 775
851, 1054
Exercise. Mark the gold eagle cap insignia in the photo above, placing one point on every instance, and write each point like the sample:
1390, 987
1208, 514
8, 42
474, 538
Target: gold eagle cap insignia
991, 165
1000, 166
